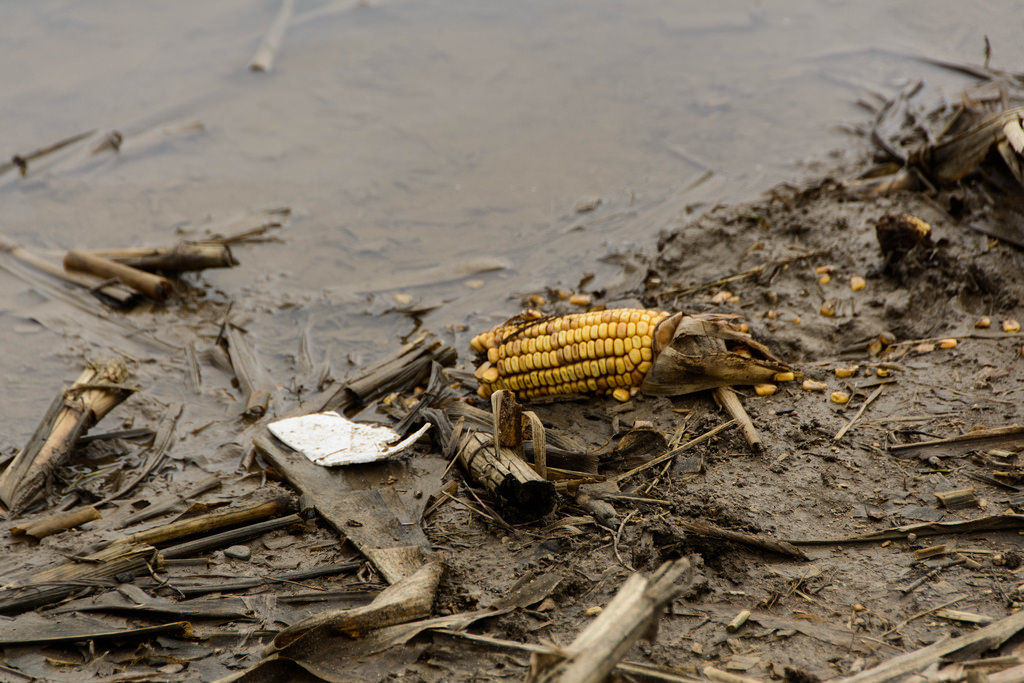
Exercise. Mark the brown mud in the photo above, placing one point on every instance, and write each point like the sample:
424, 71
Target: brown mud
844, 609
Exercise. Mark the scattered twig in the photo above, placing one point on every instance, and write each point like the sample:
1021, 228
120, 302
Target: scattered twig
874, 394
1002, 437
20, 161
676, 451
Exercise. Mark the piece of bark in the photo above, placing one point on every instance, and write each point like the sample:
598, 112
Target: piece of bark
185, 256
41, 528
154, 286
510, 480
957, 498
632, 613
359, 514
75, 410
407, 600
80, 629
979, 439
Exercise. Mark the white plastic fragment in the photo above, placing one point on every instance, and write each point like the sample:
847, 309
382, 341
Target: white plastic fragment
329, 439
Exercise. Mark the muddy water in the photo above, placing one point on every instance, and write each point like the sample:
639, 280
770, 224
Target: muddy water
433, 149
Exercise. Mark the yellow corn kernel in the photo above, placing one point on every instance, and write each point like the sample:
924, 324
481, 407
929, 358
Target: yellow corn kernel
721, 297
642, 327
848, 371
882, 372
744, 328
620, 366
644, 367
825, 279
857, 283
492, 354
839, 397
812, 385
609, 346
823, 270
1010, 326
581, 299
621, 394
765, 389
983, 323
490, 374
636, 355
784, 377
828, 308
630, 329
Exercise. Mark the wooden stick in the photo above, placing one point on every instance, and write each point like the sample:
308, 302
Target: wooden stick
1002, 437
728, 399
185, 256
20, 161
253, 380
264, 57
57, 523
633, 611
874, 394
205, 523
153, 286
108, 292
94, 394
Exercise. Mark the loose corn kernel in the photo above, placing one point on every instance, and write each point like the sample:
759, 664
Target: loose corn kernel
812, 385
721, 297
823, 270
828, 308
784, 377
621, 394
947, 343
983, 323
848, 371
927, 347
1011, 326
825, 279
765, 389
839, 397
857, 283
882, 372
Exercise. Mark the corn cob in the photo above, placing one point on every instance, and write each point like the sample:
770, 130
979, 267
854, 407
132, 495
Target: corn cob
600, 352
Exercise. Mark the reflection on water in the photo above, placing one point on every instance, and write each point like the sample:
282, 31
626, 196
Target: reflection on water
410, 136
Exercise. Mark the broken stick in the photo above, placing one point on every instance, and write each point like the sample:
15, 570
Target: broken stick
633, 612
153, 286
95, 393
506, 477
